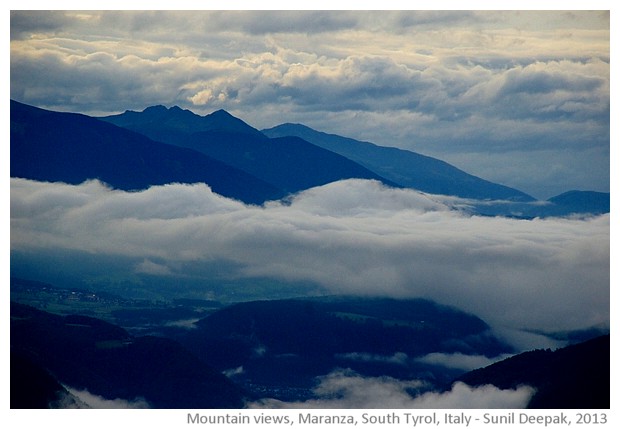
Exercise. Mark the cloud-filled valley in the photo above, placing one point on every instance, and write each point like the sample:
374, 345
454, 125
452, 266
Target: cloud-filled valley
352, 237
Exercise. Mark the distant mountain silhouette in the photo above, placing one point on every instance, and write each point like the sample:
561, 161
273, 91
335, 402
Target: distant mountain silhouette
289, 163
582, 202
577, 376
163, 123
71, 148
572, 203
87, 353
406, 168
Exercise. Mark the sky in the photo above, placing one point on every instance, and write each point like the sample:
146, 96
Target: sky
521, 98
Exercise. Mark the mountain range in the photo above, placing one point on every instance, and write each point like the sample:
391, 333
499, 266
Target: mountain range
408, 169
72, 148
289, 163
412, 170
135, 150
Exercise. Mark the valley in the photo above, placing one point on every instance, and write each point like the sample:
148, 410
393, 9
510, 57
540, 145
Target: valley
276, 350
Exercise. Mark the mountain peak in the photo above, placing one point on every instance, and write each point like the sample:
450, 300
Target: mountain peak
221, 112
155, 118
221, 120
156, 108
160, 110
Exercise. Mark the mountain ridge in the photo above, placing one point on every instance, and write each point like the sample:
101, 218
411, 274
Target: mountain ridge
88, 353
574, 200
283, 344
72, 148
431, 175
163, 145
162, 119
404, 167
289, 163
576, 376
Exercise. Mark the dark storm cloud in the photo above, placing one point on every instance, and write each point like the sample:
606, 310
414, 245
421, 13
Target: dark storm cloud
435, 17
265, 22
23, 24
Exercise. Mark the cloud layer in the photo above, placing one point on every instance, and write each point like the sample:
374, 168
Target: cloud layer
347, 390
523, 86
349, 237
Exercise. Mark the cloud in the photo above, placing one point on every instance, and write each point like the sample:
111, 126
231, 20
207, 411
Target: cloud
347, 59
269, 22
460, 360
233, 371
349, 237
99, 402
488, 396
527, 340
347, 390
183, 323
23, 24
397, 358
153, 268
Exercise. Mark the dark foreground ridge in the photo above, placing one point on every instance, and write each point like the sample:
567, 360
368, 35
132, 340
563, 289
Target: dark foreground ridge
89, 354
577, 376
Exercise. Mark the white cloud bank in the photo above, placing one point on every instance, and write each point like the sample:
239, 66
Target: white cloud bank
347, 390
350, 237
